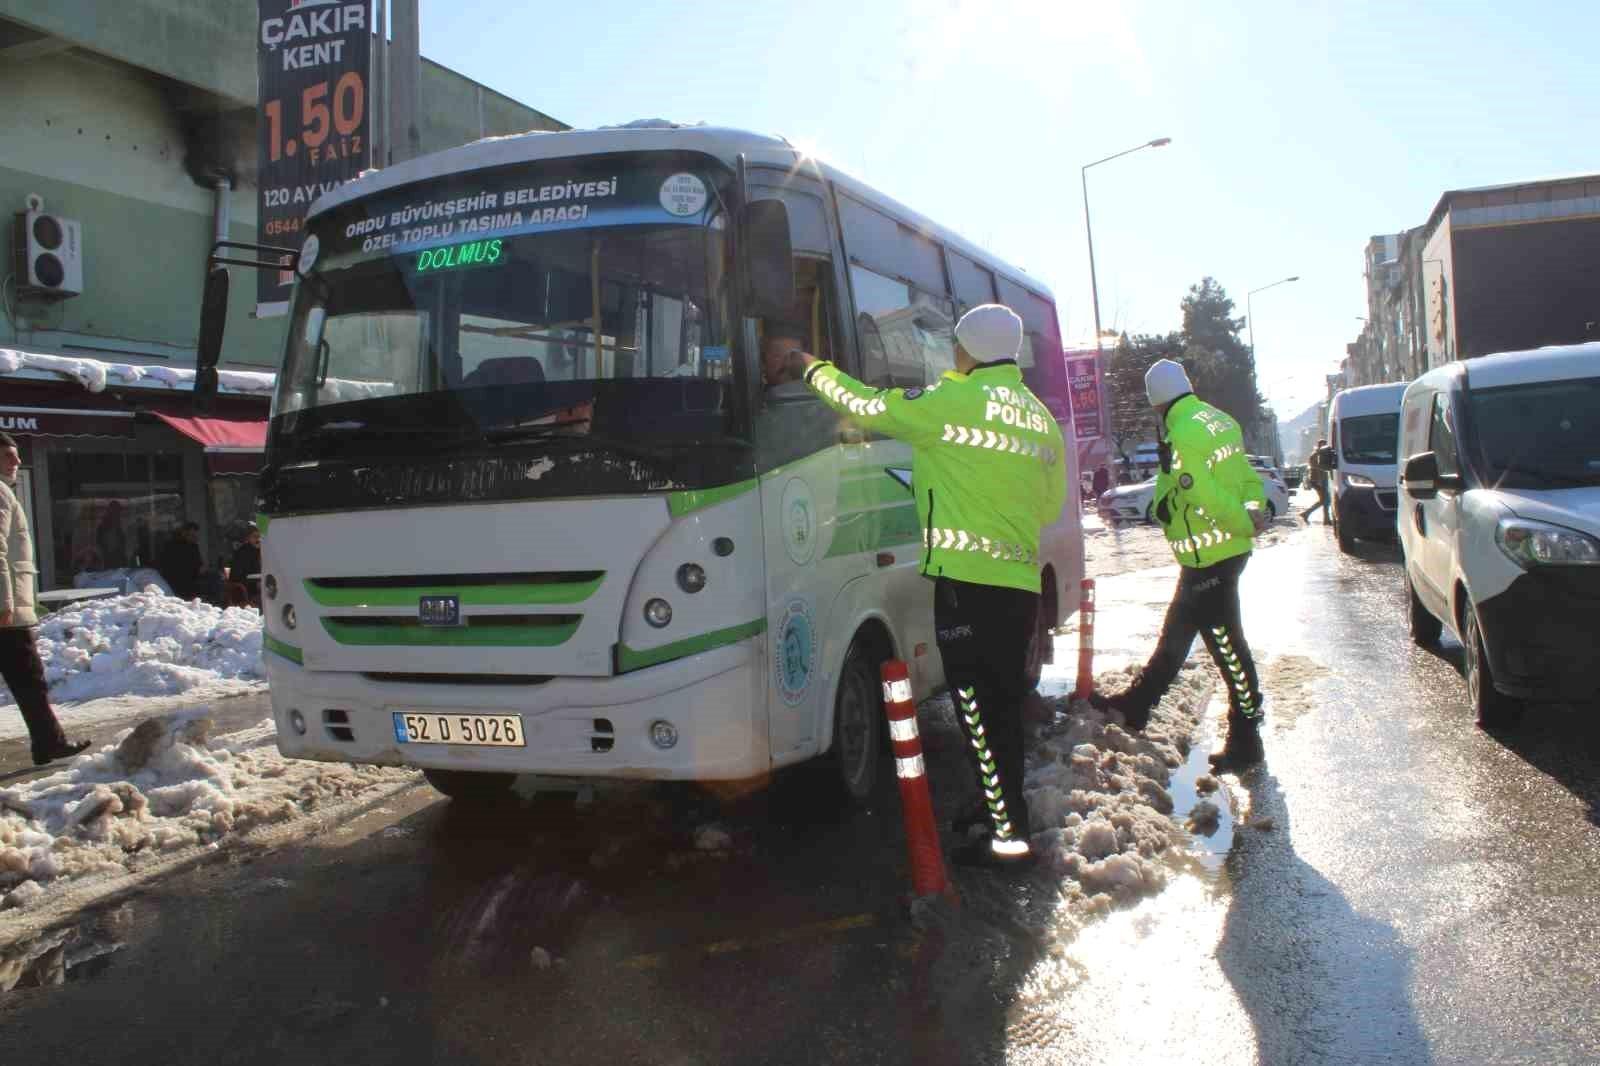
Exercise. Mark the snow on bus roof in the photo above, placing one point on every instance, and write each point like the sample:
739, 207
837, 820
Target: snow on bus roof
721, 142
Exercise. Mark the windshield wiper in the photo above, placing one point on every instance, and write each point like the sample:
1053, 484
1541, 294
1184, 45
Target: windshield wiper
1549, 475
546, 432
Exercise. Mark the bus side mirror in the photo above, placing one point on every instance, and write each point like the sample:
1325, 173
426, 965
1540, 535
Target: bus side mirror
1421, 476
766, 264
213, 319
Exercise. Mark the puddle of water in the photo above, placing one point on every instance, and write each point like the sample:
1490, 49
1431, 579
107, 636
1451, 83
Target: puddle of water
1210, 849
70, 953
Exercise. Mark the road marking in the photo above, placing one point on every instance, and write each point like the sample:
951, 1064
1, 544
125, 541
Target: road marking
783, 936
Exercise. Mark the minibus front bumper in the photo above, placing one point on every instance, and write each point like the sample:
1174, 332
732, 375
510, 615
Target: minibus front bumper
1367, 513
572, 726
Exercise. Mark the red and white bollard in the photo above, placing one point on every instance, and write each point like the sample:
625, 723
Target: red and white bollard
922, 837
1085, 642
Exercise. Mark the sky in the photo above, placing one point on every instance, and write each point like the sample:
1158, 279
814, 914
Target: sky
1299, 129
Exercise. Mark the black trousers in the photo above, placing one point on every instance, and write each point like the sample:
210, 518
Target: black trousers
24, 676
1206, 602
983, 633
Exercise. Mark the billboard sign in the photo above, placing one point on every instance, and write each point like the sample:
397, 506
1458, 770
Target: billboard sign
313, 58
1084, 388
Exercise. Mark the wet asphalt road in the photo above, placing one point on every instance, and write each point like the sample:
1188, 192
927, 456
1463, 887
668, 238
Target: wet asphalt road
1427, 894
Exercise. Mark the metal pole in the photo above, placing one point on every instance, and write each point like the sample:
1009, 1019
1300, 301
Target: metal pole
1250, 326
404, 74
1094, 284
379, 113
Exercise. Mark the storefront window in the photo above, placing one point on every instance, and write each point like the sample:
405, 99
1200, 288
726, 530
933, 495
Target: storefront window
112, 510
233, 508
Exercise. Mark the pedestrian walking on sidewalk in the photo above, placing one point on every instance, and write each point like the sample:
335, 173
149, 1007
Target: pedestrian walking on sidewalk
1211, 504
19, 657
981, 507
1318, 467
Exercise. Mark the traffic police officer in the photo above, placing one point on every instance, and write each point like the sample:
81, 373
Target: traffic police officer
987, 474
1210, 503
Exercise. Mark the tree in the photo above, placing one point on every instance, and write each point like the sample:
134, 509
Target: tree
1219, 362
1132, 418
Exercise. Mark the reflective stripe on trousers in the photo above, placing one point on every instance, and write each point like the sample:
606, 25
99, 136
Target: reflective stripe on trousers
988, 773
1233, 673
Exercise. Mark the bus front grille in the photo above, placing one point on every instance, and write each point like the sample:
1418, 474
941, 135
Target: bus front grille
524, 589
458, 679
483, 631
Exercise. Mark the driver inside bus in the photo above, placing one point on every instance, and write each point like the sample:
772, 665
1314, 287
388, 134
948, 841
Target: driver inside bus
778, 339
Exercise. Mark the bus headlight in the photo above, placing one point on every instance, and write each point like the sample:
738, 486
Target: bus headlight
663, 734
1359, 481
691, 577
269, 585
658, 612
289, 619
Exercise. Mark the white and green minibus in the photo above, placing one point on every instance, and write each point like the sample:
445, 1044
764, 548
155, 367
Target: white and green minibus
528, 504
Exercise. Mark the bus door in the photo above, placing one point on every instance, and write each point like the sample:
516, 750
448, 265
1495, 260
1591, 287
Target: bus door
807, 457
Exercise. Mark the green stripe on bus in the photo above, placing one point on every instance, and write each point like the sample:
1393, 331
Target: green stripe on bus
682, 503
366, 634
628, 659
868, 531
508, 595
870, 492
278, 647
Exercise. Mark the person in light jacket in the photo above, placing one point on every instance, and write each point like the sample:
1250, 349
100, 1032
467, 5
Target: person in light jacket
19, 657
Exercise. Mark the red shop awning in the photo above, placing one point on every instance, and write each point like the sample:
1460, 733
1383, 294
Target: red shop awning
233, 445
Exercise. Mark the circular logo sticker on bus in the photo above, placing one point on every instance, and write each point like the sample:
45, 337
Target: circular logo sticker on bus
308, 255
794, 652
683, 195
799, 517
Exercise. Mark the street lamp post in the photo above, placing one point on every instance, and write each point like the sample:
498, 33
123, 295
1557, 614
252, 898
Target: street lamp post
1094, 284
1249, 315
1250, 324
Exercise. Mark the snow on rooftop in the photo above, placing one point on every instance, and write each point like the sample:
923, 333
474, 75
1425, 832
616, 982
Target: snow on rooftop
95, 374
142, 645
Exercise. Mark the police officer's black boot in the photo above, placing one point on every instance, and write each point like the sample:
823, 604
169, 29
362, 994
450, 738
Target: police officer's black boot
1134, 708
1243, 748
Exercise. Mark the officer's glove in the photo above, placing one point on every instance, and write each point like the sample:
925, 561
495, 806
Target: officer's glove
1164, 510
1258, 517
1164, 453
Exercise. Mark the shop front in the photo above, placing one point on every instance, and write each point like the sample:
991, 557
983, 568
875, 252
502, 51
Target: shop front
108, 477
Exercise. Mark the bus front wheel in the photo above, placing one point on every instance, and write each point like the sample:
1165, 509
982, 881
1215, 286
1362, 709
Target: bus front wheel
857, 724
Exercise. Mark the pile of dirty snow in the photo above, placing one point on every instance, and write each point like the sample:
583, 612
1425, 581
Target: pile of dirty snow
148, 644
1098, 799
163, 787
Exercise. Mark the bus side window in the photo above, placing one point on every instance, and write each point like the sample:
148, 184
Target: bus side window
907, 336
1044, 368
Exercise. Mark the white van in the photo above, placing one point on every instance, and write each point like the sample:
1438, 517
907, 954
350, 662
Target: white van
1500, 521
1363, 425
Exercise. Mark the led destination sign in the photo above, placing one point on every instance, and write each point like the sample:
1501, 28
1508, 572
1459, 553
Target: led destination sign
459, 256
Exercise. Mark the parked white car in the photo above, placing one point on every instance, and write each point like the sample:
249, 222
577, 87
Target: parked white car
1136, 503
1499, 514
